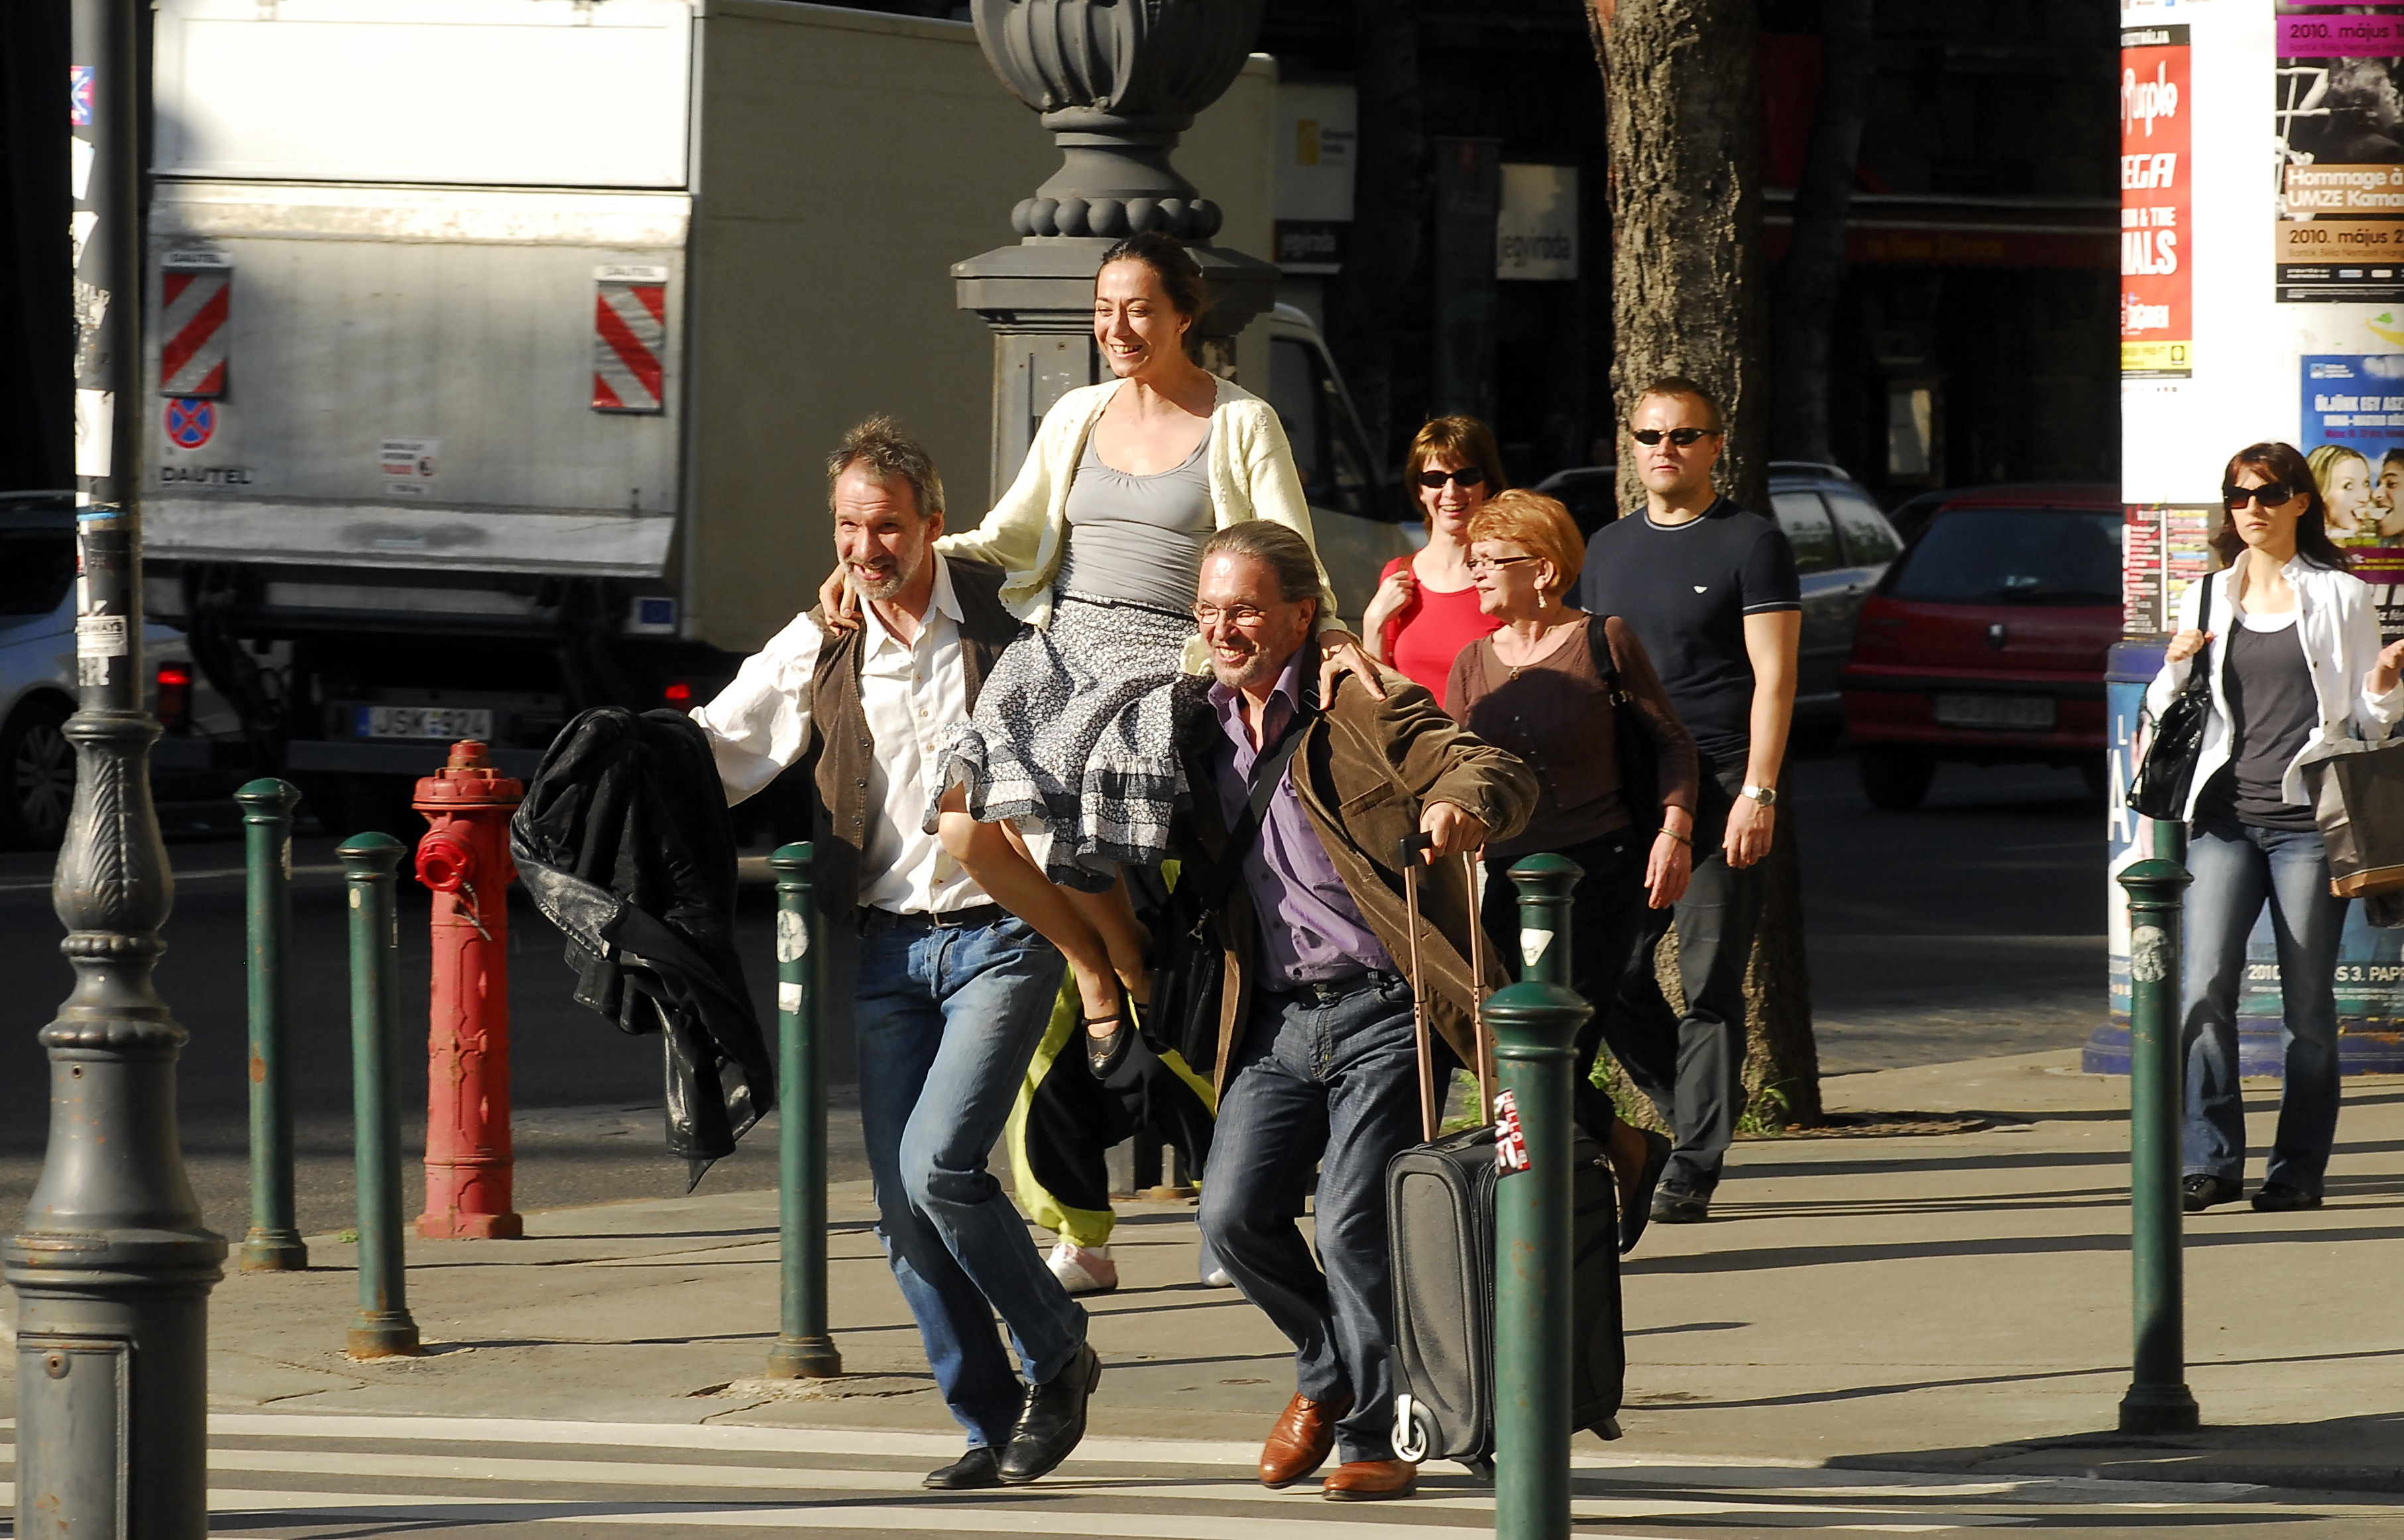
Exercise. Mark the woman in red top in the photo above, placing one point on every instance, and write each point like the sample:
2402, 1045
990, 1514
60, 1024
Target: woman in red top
1426, 609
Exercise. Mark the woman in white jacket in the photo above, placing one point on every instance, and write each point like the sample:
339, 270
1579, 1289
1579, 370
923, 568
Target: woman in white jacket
1067, 771
2297, 675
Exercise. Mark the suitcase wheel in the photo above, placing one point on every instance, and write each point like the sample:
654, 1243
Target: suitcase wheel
1480, 1470
1412, 1432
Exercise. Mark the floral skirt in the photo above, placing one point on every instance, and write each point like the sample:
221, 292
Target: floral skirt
1072, 741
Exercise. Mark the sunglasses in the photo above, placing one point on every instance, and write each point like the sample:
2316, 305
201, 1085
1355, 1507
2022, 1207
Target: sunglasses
1683, 438
1467, 475
2270, 494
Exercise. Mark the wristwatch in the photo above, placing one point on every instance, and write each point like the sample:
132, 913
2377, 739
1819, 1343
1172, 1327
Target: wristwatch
1766, 796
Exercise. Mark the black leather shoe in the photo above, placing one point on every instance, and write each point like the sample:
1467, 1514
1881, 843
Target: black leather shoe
1680, 1206
975, 1469
1103, 1055
1053, 1422
2279, 1197
2200, 1192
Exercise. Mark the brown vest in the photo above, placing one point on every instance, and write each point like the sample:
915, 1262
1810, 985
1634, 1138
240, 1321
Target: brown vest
845, 750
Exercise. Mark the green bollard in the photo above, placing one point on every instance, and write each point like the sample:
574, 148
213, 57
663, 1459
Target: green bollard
273, 1243
1545, 884
382, 1327
804, 1349
1535, 1026
2159, 1400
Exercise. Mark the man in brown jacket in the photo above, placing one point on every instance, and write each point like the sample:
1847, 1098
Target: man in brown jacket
1316, 1067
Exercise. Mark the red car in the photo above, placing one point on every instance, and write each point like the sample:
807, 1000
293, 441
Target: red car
1985, 642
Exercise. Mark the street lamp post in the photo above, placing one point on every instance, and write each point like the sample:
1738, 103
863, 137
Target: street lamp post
113, 1266
1117, 86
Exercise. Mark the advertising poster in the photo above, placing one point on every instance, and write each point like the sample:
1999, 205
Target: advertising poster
2141, 573
2157, 294
2352, 433
2164, 549
2338, 116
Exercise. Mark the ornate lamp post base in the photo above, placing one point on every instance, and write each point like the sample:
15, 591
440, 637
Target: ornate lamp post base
1116, 85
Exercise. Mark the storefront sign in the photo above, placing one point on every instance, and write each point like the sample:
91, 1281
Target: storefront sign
1315, 150
1536, 234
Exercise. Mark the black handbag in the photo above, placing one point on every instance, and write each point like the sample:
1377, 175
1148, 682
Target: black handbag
1631, 735
1189, 964
2159, 789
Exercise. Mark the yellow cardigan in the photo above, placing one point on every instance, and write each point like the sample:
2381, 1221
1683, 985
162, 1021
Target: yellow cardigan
1251, 476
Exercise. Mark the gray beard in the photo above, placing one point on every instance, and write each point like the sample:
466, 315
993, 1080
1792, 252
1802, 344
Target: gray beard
886, 589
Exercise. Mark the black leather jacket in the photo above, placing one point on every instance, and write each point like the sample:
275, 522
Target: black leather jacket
624, 842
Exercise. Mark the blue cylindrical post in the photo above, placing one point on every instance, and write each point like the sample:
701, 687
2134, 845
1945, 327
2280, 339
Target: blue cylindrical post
805, 1349
382, 1327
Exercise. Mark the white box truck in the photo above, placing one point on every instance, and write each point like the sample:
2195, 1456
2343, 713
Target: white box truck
499, 344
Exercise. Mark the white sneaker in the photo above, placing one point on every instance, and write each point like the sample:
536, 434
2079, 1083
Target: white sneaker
1083, 1270
1217, 1278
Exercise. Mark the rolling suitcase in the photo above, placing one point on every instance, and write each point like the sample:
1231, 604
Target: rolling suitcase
1440, 1216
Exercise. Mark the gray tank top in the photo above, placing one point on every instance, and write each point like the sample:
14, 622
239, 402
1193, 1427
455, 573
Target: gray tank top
1138, 538
2273, 710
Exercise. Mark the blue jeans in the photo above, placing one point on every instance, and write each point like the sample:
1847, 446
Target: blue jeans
2236, 869
948, 1021
1325, 1078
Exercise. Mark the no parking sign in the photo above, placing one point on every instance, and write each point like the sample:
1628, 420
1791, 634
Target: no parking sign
190, 421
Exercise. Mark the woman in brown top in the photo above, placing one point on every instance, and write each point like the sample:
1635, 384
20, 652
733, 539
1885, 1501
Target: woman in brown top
1533, 687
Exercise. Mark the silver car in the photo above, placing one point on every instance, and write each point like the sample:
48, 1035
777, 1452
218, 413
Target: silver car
1842, 545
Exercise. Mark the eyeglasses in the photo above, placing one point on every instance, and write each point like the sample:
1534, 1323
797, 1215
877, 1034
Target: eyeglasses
1683, 438
1242, 616
2270, 494
1488, 564
1467, 475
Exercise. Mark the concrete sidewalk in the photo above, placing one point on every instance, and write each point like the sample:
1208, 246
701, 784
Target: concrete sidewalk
1954, 1303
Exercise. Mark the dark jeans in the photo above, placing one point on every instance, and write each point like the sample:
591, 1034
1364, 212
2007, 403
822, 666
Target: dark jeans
1692, 1067
2237, 870
1325, 1078
1607, 914
948, 1020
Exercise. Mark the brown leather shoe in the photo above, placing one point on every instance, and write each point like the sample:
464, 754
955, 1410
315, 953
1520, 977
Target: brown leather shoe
1300, 1442
1366, 1480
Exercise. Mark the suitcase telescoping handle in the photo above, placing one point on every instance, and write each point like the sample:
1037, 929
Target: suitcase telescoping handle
1406, 854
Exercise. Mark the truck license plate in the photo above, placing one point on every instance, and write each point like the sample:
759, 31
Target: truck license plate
1995, 711
445, 722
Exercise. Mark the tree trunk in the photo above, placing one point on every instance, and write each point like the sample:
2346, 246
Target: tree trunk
1684, 104
1378, 287
1683, 91
1803, 302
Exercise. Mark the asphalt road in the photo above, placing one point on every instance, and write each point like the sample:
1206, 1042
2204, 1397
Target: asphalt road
1971, 927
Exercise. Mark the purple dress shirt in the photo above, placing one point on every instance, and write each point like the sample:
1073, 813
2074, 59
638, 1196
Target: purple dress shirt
1311, 931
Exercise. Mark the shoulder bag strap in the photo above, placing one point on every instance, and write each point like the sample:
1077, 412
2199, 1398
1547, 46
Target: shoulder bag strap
1597, 645
2200, 679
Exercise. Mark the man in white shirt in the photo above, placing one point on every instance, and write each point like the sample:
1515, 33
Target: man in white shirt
954, 992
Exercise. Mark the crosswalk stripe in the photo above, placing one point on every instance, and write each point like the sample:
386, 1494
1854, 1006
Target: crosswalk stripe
929, 1519
705, 1435
762, 1477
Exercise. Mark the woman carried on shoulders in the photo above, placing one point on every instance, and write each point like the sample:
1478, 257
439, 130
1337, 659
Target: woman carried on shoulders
1067, 771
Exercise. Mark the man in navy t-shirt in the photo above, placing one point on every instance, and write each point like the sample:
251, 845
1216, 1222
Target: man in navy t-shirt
1711, 591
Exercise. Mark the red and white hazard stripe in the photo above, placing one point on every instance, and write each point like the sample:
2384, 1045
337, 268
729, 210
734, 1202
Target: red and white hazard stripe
629, 334
192, 328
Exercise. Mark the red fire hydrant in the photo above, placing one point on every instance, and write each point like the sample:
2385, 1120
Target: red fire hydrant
465, 858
